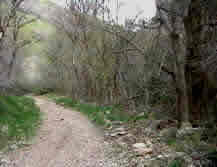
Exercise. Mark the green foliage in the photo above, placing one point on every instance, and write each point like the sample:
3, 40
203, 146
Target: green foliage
41, 91
171, 142
36, 27
98, 114
139, 117
35, 31
175, 163
53, 96
19, 118
45, 2
177, 145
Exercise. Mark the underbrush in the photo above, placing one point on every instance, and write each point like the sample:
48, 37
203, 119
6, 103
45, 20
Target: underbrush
101, 115
19, 119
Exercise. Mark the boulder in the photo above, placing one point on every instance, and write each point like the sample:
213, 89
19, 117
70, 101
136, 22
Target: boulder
142, 149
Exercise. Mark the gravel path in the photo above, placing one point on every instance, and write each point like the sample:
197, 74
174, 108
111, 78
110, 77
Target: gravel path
66, 139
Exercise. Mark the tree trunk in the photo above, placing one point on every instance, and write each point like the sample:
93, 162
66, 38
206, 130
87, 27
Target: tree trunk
199, 39
192, 27
181, 85
177, 34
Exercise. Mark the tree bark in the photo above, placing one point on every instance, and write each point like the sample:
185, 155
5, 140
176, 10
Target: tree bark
199, 39
181, 85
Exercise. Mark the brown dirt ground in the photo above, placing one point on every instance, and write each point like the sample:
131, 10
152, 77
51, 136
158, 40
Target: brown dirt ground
66, 139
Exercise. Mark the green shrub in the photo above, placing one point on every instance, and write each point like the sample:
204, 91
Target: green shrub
98, 114
19, 119
175, 163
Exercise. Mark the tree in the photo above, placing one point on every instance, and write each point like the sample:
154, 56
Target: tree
10, 25
187, 26
191, 26
7, 47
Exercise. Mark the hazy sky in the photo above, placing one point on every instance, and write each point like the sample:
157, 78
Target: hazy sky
129, 8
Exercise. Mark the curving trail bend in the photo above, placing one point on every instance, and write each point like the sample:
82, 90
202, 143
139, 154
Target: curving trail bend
66, 139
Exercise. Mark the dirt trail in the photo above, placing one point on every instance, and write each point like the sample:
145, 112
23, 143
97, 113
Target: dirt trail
66, 139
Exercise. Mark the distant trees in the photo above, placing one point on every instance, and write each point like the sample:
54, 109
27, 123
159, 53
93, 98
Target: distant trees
109, 63
8, 36
11, 22
140, 62
189, 29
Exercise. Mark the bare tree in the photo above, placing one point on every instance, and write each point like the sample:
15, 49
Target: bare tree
10, 25
189, 59
104, 63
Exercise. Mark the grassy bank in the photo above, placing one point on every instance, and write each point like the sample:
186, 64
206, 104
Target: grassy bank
19, 119
101, 115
